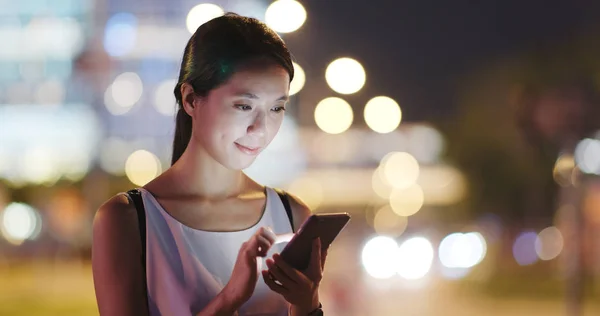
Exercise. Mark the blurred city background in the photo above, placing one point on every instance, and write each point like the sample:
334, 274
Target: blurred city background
462, 137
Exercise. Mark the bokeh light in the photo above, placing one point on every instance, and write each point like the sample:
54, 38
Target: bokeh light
388, 223
401, 169
164, 98
285, 16
76, 166
333, 149
380, 257
345, 75
442, 185
563, 169
201, 14
32, 71
63, 145
425, 143
380, 185
333, 115
587, 156
123, 93
407, 202
50, 92
141, 167
113, 155
460, 250
66, 216
120, 34
39, 165
524, 248
309, 190
299, 79
20, 222
454, 273
382, 114
415, 257
549, 243
51, 37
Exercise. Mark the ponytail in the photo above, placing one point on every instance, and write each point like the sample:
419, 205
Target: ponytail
183, 134
183, 128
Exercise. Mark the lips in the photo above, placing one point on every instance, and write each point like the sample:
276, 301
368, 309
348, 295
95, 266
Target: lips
248, 150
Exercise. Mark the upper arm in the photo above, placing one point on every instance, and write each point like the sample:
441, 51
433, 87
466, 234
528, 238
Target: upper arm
300, 211
116, 265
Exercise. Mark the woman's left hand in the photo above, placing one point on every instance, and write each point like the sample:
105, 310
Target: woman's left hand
301, 289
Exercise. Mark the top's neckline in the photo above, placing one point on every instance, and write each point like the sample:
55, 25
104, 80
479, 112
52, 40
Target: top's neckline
154, 201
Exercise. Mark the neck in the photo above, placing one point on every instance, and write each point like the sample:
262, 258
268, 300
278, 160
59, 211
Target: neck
197, 173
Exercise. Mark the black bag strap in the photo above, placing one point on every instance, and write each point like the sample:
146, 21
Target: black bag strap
285, 199
136, 197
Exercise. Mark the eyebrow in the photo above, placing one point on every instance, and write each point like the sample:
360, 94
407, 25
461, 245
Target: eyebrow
255, 97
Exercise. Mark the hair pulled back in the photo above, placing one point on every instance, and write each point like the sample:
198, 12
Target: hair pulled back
212, 55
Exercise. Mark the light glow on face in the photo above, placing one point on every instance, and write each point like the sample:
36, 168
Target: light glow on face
238, 119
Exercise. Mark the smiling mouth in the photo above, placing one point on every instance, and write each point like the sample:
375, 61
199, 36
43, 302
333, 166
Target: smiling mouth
248, 150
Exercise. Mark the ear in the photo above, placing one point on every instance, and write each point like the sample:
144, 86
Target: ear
189, 99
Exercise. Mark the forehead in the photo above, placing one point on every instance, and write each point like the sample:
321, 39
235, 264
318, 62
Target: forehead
263, 80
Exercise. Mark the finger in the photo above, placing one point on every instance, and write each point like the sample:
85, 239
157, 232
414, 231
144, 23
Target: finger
258, 245
263, 246
279, 275
272, 285
268, 233
293, 274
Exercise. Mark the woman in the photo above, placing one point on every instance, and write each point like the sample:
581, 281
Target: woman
206, 222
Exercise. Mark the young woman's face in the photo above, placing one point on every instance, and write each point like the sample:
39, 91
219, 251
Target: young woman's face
238, 119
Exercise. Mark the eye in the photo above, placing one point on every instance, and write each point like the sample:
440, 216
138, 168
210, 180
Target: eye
278, 109
243, 107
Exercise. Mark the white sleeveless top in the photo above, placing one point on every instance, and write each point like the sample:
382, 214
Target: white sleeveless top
186, 268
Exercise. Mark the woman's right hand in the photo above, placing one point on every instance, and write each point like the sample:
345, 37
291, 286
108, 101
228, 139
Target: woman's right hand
244, 277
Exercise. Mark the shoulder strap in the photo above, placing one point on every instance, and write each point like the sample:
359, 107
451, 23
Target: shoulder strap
285, 199
136, 197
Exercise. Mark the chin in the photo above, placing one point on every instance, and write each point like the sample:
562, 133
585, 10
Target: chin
240, 164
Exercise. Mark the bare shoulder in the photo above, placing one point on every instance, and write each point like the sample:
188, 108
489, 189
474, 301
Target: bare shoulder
117, 215
300, 211
116, 259
115, 231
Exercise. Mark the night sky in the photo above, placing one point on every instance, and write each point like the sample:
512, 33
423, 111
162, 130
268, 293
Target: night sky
416, 51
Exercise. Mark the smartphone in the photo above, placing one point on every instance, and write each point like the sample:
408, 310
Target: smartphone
326, 226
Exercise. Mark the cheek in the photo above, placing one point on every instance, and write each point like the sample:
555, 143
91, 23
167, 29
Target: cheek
227, 126
274, 125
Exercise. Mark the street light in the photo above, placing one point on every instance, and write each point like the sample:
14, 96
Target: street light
333, 115
201, 14
345, 75
285, 16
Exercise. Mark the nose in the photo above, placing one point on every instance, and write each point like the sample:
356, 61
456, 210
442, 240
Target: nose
258, 128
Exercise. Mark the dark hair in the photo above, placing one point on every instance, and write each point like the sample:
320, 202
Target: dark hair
214, 52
